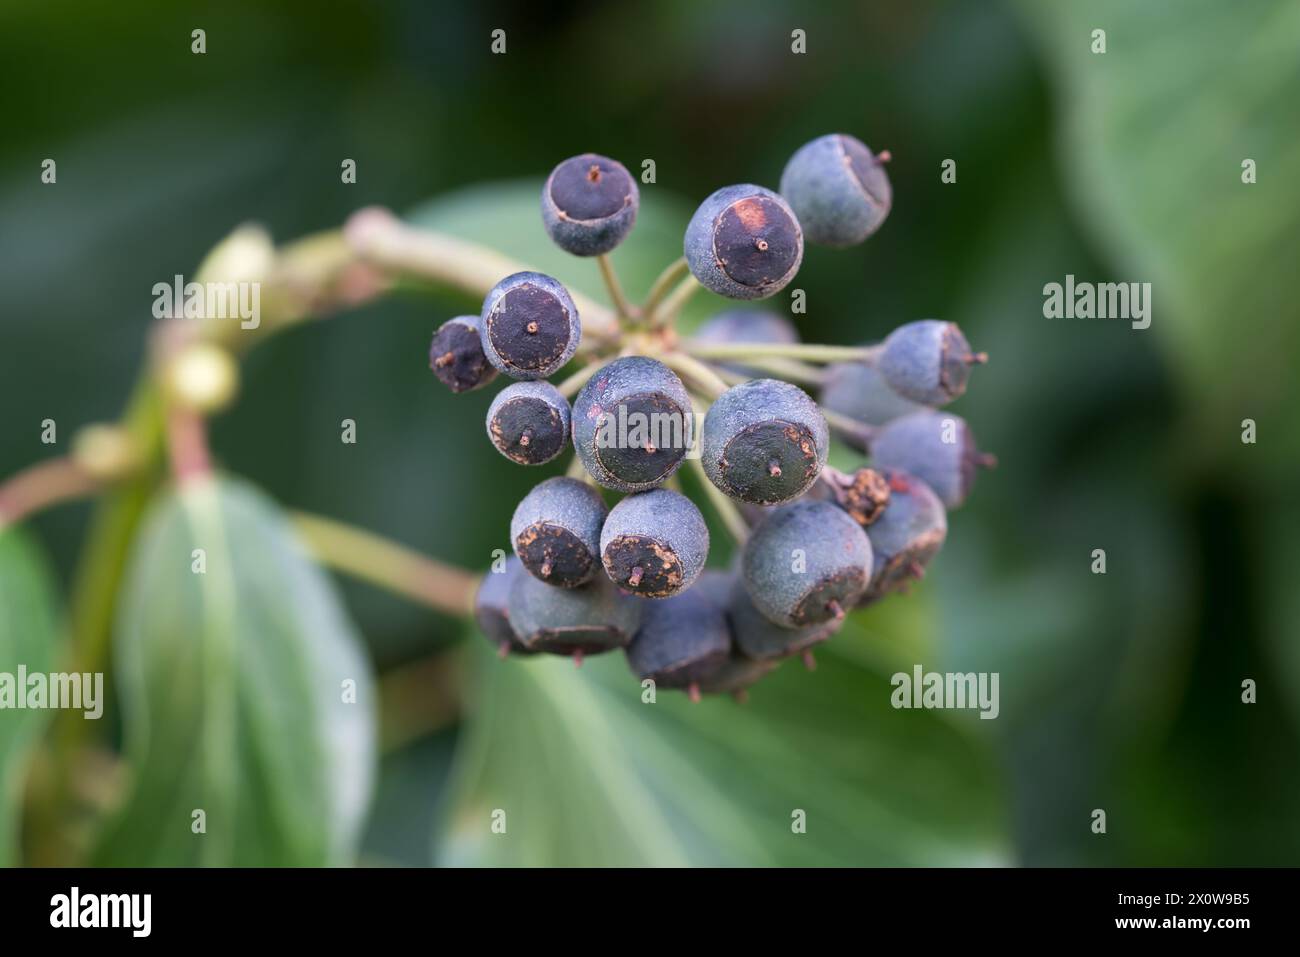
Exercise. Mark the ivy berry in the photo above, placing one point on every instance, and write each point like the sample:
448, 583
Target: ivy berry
589, 204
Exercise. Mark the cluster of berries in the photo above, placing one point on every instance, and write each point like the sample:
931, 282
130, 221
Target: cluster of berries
586, 578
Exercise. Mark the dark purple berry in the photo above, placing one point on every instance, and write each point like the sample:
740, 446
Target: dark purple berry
572, 621
654, 544
859, 391
555, 531
528, 422
589, 204
632, 424
764, 442
491, 611
838, 189
906, 536
456, 355
683, 640
936, 447
807, 563
759, 639
927, 361
744, 242
529, 326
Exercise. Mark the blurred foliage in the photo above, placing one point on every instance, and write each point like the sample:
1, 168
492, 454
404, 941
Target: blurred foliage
235, 663
28, 636
1119, 691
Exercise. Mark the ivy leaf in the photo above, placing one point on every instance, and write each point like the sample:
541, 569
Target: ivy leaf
234, 664
567, 767
1155, 137
28, 635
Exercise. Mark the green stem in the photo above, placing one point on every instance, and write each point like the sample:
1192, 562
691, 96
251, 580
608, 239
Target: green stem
379, 238
667, 310
791, 370
848, 426
776, 350
666, 280
396, 568
624, 309
730, 515
703, 376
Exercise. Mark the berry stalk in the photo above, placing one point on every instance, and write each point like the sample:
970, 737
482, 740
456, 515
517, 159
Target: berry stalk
671, 275
623, 308
781, 350
396, 568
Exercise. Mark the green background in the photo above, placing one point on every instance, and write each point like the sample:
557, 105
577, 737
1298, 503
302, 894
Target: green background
1119, 691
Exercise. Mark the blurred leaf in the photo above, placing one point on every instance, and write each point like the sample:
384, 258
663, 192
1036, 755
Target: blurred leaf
1153, 136
28, 634
589, 775
231, 683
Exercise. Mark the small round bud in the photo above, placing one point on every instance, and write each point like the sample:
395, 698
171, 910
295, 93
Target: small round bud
203, 378
528, 422
744, 243
589, 204
106, 453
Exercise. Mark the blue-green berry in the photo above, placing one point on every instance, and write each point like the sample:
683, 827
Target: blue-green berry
683, 640
528, 422
491, 609
572, 621
456, 355
632, 424
759, 639
654, 544
936, 447
746, 326
927, 361
807, 563
764, 442
858, 390
555, 531
744, 242
529, 326
589, 204
908, 533
838, 189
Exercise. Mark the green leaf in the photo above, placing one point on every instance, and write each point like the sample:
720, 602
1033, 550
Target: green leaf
232, 682
28, 635
1154, 133
589, 775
